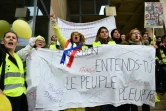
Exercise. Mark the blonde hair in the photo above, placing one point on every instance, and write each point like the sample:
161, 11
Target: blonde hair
39, 36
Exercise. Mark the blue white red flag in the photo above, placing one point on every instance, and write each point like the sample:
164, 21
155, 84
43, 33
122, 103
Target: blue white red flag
69, 53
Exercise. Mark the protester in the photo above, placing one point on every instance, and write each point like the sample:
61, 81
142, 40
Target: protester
123, 38
115, 35
159, 64
12, 82
149, 38
39, 42
76, 42
135, 38
53, 44
145, 40
76, 38
34, 42
102, 37
163, 62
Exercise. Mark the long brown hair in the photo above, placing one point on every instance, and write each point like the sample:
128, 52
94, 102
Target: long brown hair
98, 33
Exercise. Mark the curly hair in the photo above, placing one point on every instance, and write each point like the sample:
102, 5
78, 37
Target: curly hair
82, 39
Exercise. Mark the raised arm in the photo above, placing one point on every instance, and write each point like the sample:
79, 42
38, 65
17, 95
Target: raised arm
24, 52
61, 39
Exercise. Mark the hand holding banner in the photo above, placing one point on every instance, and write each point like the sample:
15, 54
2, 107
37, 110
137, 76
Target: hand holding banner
111, 74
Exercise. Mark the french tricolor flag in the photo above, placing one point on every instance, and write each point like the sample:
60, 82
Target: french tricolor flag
69, 53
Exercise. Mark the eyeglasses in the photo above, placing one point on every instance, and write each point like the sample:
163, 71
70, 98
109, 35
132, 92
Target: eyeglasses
135, 32
40, 41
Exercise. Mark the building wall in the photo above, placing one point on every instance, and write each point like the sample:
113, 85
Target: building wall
59, 7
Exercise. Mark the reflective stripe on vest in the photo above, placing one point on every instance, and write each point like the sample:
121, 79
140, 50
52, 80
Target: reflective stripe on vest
12, 86
163, 56
14, 77
98, 43
11, 74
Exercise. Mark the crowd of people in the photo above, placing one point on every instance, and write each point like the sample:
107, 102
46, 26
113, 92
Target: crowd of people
12, 67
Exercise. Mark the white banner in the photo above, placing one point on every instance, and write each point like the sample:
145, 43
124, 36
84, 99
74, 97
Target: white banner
110, 74
89, 30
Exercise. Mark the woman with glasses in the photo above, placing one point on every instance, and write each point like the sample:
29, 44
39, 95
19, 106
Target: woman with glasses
38, 42
34, 42
135, 38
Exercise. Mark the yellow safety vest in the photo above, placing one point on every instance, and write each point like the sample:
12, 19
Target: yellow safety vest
163, 56
98, 43
14, 77
156, 58
84, 47
52, 46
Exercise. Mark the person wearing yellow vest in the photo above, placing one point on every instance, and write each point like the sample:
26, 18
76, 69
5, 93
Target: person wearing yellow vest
145, 41
53, 44
39, 42
75, 40
159, 62
12, 77
162, 48
102, 37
